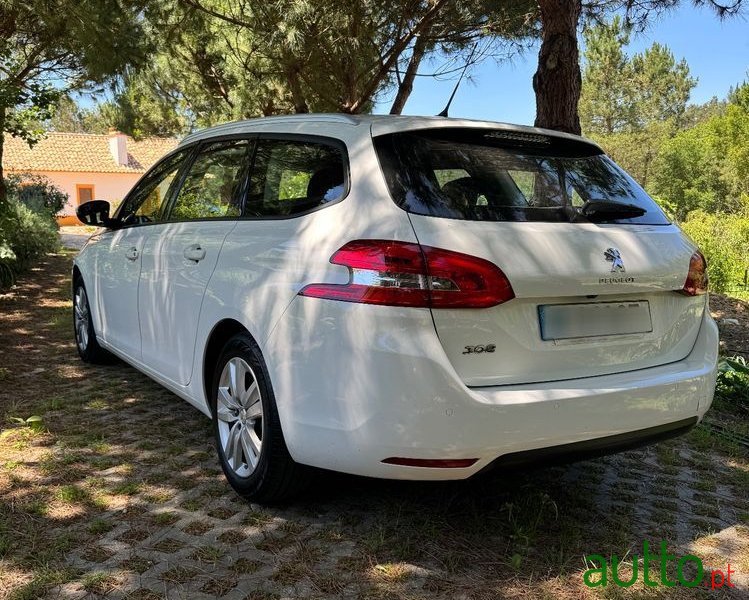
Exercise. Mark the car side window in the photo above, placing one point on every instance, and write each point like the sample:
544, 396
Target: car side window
290, 177
215, 183
147, 201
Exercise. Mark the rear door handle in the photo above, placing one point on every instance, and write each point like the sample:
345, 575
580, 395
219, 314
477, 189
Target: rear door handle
132, 253
194, 252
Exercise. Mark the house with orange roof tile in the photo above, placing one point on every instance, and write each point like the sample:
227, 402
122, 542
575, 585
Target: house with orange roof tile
86, 166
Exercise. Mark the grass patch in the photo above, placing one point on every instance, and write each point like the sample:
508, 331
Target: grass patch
197, 528
178, 575
245, 566
165, 518
100, 526
136, 564
44, 580
218, 587
257, 519
127, 488
98, 582
262, 595
71, 494
4, 544
209, 554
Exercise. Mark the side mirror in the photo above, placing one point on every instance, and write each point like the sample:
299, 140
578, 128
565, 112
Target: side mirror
94, 212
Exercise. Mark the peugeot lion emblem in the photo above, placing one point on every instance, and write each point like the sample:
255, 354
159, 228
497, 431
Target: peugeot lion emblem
612, 255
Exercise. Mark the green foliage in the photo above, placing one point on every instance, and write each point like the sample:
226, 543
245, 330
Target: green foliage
637, 150
69, 117
24, 237
27, 225
36, 192
633, 105
724, 240
219, 60
605, 100
293, 185
707, 166
688, 173
733, 381
661, 86
47, 48
34, 422
623, 94
737, 364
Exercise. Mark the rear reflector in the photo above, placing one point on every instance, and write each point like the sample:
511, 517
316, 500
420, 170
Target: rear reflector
432, 463
697, 281
396, 273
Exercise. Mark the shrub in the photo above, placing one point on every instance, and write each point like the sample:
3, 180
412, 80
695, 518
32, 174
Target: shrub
36, 192
732, 385
24, 237
724, 240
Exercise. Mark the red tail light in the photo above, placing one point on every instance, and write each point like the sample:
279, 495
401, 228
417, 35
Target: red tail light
696, 283
404, 274
432, 463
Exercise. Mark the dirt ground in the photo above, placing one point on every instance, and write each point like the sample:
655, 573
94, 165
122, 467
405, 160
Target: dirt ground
734, 337
117, 493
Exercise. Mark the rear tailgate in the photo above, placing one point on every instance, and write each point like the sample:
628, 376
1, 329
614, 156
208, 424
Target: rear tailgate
595, 265
563, 264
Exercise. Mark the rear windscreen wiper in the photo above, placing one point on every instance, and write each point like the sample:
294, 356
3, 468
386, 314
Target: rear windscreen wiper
604, 210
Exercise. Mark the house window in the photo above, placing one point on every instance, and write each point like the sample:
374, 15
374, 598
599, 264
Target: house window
85, 192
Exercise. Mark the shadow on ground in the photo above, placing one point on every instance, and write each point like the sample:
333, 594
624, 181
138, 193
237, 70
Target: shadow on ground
119, 494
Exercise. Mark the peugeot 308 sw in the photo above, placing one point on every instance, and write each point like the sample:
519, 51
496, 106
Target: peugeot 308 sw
399, 297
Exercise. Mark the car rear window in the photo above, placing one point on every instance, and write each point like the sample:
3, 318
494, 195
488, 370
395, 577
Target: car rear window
493, 175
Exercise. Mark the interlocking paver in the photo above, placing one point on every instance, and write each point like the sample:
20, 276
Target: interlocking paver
122, 497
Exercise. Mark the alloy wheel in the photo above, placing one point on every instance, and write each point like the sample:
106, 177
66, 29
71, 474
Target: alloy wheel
80, 318
239, 409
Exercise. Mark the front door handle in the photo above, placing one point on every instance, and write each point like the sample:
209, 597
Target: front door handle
132, 253
194, 252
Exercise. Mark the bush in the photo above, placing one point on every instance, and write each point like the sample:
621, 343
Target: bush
732, 385
36, 192
24, 237
724, 240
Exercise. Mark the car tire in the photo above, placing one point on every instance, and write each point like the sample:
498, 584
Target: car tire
247, 429
83, 328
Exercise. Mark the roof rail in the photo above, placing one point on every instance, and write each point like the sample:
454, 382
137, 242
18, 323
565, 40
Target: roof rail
307, 117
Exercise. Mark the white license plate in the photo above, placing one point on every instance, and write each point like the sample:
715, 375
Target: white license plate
566, 321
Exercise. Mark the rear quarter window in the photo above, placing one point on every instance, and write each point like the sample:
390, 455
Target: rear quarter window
291, 177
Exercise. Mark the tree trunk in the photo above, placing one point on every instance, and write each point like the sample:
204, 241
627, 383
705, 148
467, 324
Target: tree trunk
407, 84
295, 87
557, 81
3, 188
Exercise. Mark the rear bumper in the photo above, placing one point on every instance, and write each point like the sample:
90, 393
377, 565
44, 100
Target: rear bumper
376, 384
594, 448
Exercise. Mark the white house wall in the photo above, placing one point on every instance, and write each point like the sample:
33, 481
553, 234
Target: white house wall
107, 186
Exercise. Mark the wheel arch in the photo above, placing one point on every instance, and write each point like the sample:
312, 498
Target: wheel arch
76, 274
221, 333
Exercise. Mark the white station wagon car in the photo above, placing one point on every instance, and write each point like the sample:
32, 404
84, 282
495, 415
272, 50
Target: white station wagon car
400, 297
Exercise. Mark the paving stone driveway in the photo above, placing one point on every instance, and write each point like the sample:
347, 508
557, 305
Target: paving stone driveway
74, 237
121, 497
